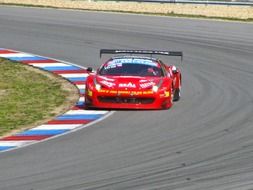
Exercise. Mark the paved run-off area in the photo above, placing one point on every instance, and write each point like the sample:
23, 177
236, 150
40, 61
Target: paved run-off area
217, 11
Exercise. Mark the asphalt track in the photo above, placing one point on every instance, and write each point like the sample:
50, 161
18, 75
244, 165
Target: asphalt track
204, 142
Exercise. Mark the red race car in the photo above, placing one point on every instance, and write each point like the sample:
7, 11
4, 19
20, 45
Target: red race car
133, 81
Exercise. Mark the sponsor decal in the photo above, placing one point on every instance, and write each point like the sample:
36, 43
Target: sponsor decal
115, 62
127, 85
166, 94
146, 85
112, 65
126, 92
89, 93
106, 83
107, 79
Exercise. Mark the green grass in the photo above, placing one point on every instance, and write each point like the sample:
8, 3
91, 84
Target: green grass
26, 96
171, 14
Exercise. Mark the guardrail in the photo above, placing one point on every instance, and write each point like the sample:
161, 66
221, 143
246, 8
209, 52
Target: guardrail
205, 2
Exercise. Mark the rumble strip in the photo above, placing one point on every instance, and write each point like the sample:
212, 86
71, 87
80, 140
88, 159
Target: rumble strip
72, 120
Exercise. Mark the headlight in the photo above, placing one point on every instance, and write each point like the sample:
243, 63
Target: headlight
98, 87
155, 88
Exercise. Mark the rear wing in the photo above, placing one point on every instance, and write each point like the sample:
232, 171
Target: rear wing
148, 52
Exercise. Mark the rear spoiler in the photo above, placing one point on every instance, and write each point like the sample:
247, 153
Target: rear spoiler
149, 52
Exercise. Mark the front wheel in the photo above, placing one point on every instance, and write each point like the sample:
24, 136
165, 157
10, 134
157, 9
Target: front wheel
177, 95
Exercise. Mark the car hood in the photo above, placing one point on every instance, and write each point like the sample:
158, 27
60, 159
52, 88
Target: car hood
128, 82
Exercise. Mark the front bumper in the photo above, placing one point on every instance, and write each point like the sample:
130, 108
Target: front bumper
123, 99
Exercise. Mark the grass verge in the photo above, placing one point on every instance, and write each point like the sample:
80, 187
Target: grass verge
29, 97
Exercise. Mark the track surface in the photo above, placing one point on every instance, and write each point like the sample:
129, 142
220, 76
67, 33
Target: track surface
204, 142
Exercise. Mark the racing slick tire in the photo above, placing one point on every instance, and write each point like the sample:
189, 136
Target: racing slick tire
177, 95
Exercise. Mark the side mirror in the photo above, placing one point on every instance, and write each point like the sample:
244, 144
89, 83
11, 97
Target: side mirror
174, 69
89, 69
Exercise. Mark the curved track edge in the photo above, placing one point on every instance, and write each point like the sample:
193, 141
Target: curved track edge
74, 119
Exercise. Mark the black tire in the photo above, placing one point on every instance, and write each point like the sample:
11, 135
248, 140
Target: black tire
177, 95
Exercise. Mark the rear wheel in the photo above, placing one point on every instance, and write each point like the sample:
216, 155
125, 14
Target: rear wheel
177, 94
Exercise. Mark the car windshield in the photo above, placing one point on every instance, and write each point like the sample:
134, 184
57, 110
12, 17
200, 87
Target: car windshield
131, 67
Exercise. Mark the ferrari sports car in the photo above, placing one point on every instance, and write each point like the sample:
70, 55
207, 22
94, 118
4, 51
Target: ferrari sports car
133, 79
